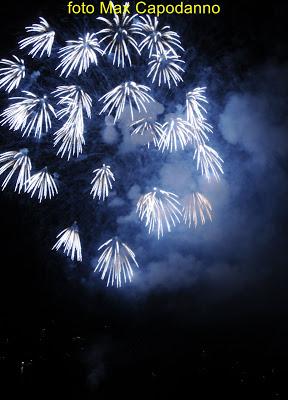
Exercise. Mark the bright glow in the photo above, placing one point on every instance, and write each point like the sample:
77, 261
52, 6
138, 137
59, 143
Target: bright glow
119, 35
146, 126
159, 210
43, 183
116, 262
79, 54
129, 92
209, 161
102, 182
166, 67
29, 113
41, 40
196, 206
17, 161
157, 40
12, 73
177, 133
70, 240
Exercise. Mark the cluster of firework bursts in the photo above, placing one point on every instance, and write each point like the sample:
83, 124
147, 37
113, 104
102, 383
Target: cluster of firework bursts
30, 114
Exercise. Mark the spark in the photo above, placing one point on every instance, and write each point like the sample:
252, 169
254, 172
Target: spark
209, 161
17, 161
44, 183
79, 54
166, 67
12, 73
29, 113
102, 182
116, 261
177, 133
153, 130
159, 210
41, 41
72, 97
157, 40
69, 238
196, 206
128, 92
119, 34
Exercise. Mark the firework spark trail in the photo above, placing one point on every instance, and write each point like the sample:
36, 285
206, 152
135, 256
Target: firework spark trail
208, 161
12, 73
69, 238
41, 40
196, 206
166, 68
116, 262
102, 182
71, 97
177, 133
128, 92
29, 113
16, 160
159, 210
44, 183
119, 34
146, 126
79, 54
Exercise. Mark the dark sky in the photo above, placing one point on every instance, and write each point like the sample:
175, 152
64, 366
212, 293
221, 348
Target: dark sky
207, 312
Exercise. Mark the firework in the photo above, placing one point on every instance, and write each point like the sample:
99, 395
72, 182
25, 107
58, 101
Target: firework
196, 206
17, 161
119, 35
157, 40
41, 40
153, 130
177, 133
43, 183
209, 161
102, 182
166, 68
69, 238
128, 92
116, 262
159, 210
29, 113
12, 73
72, 97
79, 54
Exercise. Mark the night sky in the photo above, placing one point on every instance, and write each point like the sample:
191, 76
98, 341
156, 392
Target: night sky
206, 314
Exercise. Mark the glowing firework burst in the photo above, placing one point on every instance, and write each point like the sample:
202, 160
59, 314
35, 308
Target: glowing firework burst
115, 262
43, 183
209, 162
149, 128
17, 161
79, 54
72, 97
29, 113
69, 239
159, 210
196, 206
129, 93
41, 40
166, 67
119, 35
177, 133
12, 73
157, 40
102, 182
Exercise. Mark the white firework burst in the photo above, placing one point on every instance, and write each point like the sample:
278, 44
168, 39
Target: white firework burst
116, 262
41, 40
12, 73
196, 206
43, 183
69, 239
71, 97
29, 113
149, 128
16, 161
119, 35
166, 67
127, 93
177, 133
157, 40
79, 54
102, 182
160, 211
209, 161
